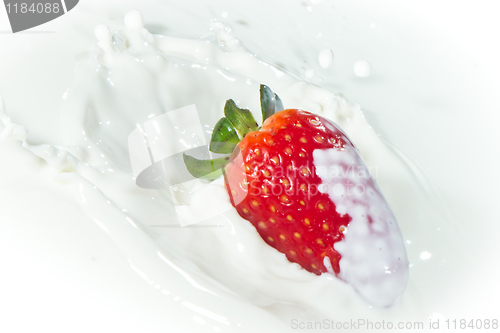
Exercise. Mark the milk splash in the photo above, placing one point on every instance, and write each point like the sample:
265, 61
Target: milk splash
221, 269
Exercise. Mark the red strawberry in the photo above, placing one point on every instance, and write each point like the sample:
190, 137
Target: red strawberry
272, 181
274, 185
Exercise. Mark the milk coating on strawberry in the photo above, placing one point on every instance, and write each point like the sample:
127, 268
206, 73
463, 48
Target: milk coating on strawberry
373, 255
302, 184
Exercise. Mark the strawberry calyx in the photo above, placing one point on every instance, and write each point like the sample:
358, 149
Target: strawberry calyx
229, 131
270, 103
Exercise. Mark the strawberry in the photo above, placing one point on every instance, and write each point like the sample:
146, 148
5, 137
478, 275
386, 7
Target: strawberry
272, 181
276, 187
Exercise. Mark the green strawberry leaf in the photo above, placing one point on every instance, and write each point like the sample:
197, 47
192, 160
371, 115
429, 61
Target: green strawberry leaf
267, 102
270, 103
279, 104
224, 137
206, 169
242, 119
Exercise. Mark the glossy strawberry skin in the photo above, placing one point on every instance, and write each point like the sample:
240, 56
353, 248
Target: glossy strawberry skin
272, 183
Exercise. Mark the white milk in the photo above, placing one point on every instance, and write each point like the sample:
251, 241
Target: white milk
223, 272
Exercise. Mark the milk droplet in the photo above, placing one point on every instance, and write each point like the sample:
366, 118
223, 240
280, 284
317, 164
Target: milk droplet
219, 26
102, 33
325, 58
425, 255
105, 38
133, 20
309, 73
362, 68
